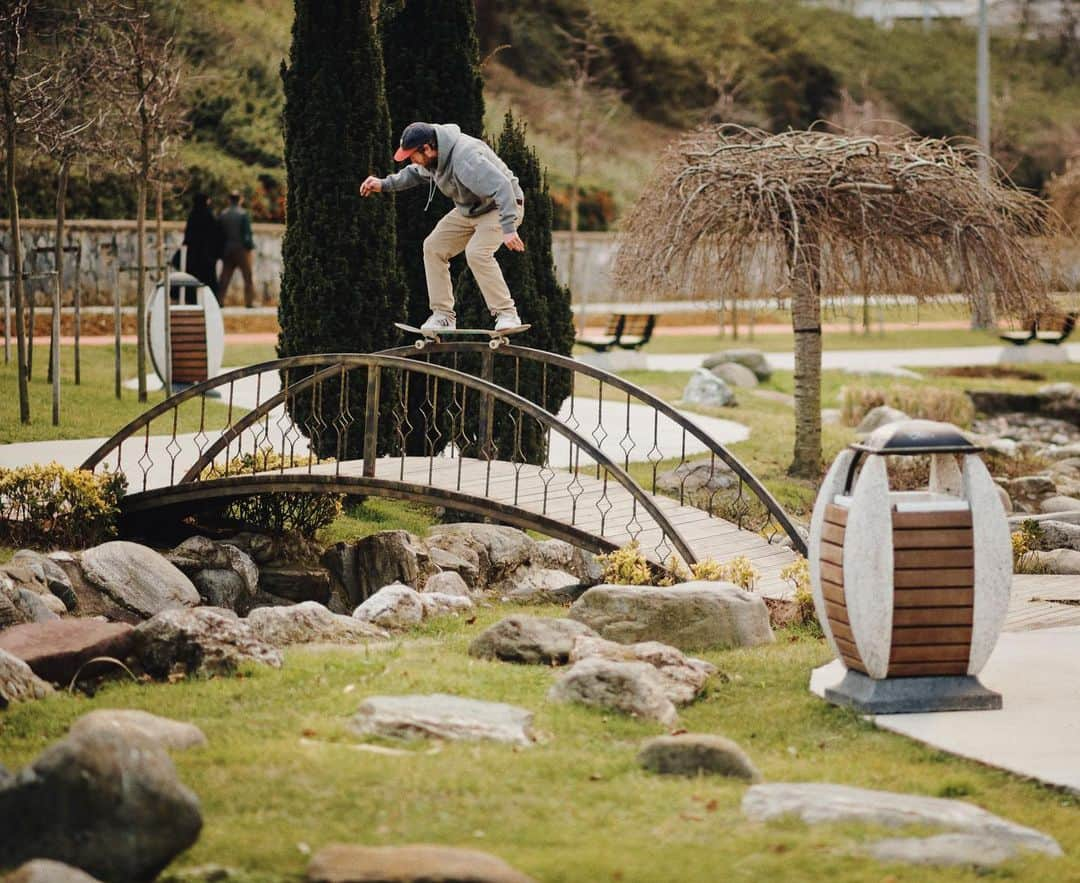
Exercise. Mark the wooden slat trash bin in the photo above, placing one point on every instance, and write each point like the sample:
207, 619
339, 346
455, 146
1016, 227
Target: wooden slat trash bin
911, 587
196, 330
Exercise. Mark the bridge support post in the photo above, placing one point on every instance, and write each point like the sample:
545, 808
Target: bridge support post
371, 420
487, 413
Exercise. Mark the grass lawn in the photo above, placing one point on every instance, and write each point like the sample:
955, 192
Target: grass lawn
575, 807
90, 410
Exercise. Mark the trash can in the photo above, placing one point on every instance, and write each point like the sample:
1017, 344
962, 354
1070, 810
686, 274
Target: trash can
911, 587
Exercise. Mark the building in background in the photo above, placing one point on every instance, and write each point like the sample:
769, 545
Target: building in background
1032, 15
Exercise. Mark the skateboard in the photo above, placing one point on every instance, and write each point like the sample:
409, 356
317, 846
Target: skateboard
495, 338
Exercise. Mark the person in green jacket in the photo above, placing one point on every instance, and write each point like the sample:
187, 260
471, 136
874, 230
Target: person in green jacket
488, 208
239, 245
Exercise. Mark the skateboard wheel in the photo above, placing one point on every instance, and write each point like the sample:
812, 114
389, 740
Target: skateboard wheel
495, 343
419, 344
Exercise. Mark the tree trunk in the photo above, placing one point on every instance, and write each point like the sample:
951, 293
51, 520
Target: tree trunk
58, 290
140, 283
16, 260
575, 181
159, 220
982, 313
806, 322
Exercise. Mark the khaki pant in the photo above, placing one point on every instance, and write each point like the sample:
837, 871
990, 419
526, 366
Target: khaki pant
237, 259
479, 238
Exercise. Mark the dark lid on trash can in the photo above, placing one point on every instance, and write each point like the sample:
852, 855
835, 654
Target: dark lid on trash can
914, 437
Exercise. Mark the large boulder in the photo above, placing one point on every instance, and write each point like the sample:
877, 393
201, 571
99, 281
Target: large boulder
446, 582
1057, 561
878, 417
392, 607
693, 754
205, 641
705, 389
499, 550
18, 684
12, 609
683, 676
700, 483
439, 716
222, 573
418, 863
531, 584
51, 573
532, 640
42, 870
697, 615
753, 359
132, 723
389, 556
309, 623
295, 582
1058, 535
439, 604
1060, 503
735, 375
105, 802
820, 802
578, 562
633, 688
137, 578
58, 650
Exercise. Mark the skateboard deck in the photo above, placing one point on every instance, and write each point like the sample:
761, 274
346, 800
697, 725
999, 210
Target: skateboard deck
495, 338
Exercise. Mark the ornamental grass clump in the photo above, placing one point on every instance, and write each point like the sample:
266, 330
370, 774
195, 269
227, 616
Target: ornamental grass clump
1025, 543
304, 513
628, 566
923, 403
51, 506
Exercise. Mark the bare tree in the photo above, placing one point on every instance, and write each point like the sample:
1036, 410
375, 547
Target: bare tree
817, 211
593, 102
145, 68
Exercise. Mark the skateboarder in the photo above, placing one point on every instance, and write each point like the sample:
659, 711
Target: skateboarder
488, 209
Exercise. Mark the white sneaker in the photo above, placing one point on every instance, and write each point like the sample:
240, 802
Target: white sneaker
506, 320
439, 322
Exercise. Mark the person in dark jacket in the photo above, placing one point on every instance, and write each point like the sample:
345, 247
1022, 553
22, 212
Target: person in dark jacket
205, 242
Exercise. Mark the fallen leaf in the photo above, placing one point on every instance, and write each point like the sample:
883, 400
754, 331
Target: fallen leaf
690, 817
595, 777
679, 732
349, 688
309, 732
470, 620
711, 805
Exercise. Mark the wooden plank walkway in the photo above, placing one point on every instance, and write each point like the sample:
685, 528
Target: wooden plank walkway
604, 509
1042, 602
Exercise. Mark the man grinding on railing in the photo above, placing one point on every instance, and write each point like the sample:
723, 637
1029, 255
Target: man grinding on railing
488, 208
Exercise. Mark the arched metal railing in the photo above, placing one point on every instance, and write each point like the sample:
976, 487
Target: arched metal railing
721, 484
305, 404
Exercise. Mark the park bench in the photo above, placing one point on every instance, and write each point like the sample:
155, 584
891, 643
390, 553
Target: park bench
628, 331
1050, 336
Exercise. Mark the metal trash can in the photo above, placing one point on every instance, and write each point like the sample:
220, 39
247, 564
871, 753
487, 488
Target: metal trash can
911, 587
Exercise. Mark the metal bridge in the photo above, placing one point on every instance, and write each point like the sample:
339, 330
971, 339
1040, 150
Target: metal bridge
433, 426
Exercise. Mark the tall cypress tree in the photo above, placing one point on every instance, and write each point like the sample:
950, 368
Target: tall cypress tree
541, 301
341, 290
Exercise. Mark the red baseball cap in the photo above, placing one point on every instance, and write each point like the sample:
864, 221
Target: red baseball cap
415, 136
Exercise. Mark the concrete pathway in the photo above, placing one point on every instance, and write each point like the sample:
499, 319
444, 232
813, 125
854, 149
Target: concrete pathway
1037, 731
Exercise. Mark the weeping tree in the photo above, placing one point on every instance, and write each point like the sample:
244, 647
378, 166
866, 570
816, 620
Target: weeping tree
1064, 194
730, 209
432, 62
340, 290
541, 301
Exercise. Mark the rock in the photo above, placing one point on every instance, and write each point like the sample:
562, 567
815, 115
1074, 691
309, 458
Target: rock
390, 556
1062, 452
560, 555
42, 870
633, 688
1060, 503
448, 562
23, 585
409, 864
309, 623
206, 641
1006, 500
692, 754
734, 374
533, 640
104, 802
500, 550
1058, 561
879, 416
816, 803
439, 716
57, 650
944, 850
12, 609
340, 560
702, 483
683, 677
53, 575
438, 604
138, 578
34, 606
707, 390
18, 684
1052, 535
446, 582
169, 734
295, 582
392, 607
223, 574
1028, 492
90, 600
753, 359
540, 585
259, 547
696, 615
1004, 446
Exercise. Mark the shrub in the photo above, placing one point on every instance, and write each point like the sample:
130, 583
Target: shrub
924, 402
305, 513
628, 566
52, 506
798, 574
1025, 542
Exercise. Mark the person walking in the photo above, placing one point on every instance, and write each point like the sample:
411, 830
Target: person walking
488, 208
239, 245
205, 242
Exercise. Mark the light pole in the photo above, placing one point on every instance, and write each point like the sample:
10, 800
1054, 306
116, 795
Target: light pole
982, 100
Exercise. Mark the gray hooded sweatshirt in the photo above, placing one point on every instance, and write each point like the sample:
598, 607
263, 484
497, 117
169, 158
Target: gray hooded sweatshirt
470, 173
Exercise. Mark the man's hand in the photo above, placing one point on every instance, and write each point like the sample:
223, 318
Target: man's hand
371, 185
513, 242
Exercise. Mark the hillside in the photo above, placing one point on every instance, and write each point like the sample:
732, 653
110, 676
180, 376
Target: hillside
673, 62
